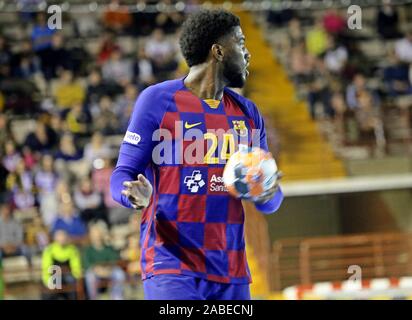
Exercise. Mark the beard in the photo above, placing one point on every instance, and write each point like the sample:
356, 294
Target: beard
233, 74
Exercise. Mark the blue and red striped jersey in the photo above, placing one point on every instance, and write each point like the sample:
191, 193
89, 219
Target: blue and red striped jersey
181, 143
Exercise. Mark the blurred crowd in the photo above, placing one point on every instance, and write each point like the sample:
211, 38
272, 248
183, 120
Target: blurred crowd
349, 77
65, 100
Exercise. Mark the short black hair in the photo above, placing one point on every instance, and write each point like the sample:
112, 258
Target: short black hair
201, 30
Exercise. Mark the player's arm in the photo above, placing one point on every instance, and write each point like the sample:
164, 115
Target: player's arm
272, 201
128, 185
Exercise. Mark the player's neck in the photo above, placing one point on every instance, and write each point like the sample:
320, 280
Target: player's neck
205, 82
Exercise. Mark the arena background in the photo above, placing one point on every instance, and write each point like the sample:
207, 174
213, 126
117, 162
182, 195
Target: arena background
334, 84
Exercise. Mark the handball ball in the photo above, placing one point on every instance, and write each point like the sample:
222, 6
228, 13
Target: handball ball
250, 173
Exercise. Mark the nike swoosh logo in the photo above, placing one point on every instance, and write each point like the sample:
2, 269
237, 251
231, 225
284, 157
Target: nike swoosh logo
188, 126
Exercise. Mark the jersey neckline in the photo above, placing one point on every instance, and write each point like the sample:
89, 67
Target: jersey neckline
210, 103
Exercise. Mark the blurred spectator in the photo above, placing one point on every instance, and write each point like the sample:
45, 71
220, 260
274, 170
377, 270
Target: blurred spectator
27, 64
11, 235
41, 139
339, 110
86, 25
396, 77
295, 33
117, 68
124, 106
50, 201
24, 49
69, 158
100, 262
354, 89
101, 183
77, 120
336, 56
367, 113
369, 119
90, 202
317, 39
41, 35
57, 125
70, 222
301, 64
143, 21
131, 252
68, 91
11, 156
96, 149
68, 151
161, 52
57, 57
29, 158
3, 185
21, 184
116, 17
142, 69
37, 237
168, 20
5, 130
46, 178
319, 95
106, 120
96, 88
319, 90
5, 57
403, 48
125, 103
338, 104
333, 22
63, 255
107, 46
280, 17
2, 102
387, 21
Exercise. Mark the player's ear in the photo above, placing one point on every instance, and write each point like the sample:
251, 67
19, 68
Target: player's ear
218, 52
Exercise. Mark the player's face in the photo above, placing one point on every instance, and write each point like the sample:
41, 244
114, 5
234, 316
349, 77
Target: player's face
236, 59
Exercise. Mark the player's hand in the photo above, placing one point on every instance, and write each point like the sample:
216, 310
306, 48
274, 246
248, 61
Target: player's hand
271, 192
138, 192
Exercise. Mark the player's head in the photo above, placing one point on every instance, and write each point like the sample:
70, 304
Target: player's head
215, 35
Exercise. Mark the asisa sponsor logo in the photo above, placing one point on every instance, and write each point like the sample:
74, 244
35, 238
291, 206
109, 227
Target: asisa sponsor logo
216, 184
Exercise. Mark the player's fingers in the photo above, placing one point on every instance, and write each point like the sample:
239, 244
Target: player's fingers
126, 193
128, 184
143, 191
143, 179
136, 183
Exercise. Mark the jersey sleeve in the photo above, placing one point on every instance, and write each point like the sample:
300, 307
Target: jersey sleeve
274, 203
136, 149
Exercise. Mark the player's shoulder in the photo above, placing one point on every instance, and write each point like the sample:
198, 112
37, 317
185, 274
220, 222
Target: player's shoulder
154, 100
163, 89
246, 104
